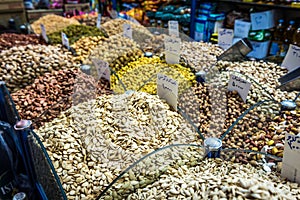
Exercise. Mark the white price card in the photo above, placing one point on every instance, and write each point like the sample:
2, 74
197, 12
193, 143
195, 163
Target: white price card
262, 20
225, 37
167, 88
173, 28
240, 85
241, 28
99, 21
291, 158
102, 68
65, 40
114, 14
292, 59
172, 49
127, 31
44, 33
133, 20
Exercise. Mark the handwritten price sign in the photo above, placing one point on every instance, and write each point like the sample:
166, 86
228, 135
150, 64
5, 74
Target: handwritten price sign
99, 21
225, 37
65, 40
173, 28
262, 20
44, 33
292, 58
102, 68
167, 88
127, 31
240, 85
241, 28
291, 158
172, 49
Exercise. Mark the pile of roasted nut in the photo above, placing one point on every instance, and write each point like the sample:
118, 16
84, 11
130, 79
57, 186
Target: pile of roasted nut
93, 129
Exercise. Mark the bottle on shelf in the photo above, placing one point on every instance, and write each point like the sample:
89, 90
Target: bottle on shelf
289, 32
296, 37
277, 48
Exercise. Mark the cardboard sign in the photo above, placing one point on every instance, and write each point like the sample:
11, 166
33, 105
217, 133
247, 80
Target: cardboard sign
260, 49
44, 33
291, 158
241, 28
262, 20
65, 40
172, 49
102, 68
173, 28
225, 37
127, 31
240, 85
99, 21
167, 88
292, 59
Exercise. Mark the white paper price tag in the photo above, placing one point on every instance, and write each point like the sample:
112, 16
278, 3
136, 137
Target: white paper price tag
65, 40
262, 20
292, 59
240, 85
291, 158
172, 49
99, 21
127, 31
102, 68
44, 33
241, 28
167, 88
225, 37
114, 14
133, 20
173, 28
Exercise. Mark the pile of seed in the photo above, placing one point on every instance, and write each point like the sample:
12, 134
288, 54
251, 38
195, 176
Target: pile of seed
19, 66
115, 27
91, 143
91, 20
85, 45
50, 94
8, 40
141, 75
52, 23
200, 55
116, 50
191, 177
74, 33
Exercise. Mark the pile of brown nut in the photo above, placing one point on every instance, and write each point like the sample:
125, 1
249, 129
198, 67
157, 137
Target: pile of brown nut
52, 93
8, 40
19, 66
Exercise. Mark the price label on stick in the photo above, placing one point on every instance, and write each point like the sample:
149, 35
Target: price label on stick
102, 68
99, 21
65, 40
167, 88
127, 31
44, 34
114, 14
173, 28
225, 37
172, 49
291, 158
292, 59
240, 85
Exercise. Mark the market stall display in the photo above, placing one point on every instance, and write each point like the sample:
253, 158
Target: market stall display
52, 23
22, 64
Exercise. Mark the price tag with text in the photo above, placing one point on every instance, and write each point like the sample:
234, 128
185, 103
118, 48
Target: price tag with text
44, 33
133, 20
240, 85
172, 49
65, 40
292, 59
167, 88
114, 14
173, 28
127, 31
225, 37
102, 68
291, 158
99, 21
241, 28
262, 20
